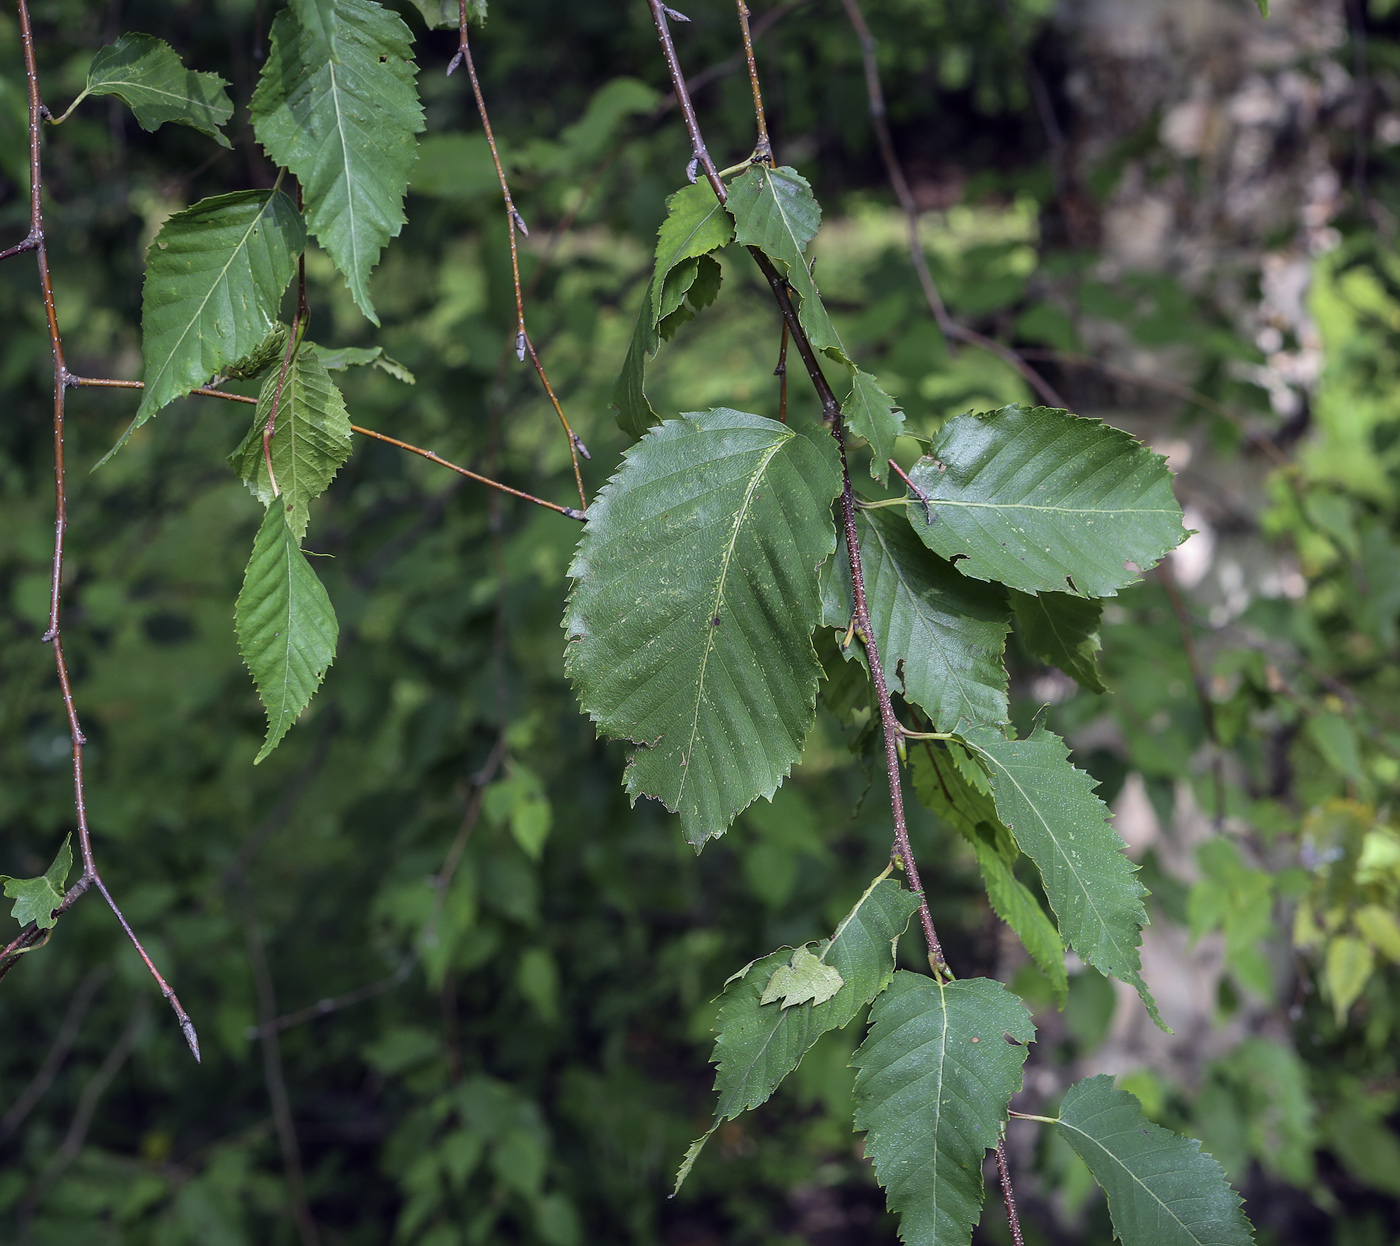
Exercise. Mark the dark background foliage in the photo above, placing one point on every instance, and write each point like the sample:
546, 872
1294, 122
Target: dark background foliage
519, 1055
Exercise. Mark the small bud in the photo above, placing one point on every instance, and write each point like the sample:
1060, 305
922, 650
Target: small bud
692, 170
520, 346
673, 14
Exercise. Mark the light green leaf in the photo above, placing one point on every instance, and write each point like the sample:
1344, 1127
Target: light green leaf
775, 211
1044, 501
936, 1073
444, 14
336, 104
1162, 1189
1264, 8
694, 598
695, 225
146, 74
760, 1043
1350, 963
286, 626
36, 898
871, 413
805, 978
310, 440
214, 277
1051, 809
944, 788
943, 634
342, 358
1380, 927
1061, 630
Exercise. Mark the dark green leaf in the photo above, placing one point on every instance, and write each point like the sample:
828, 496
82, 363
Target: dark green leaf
956, 797
1163, 1190
36, 898
1044, 501
695, 595
936, 1073
337, 105
1062, 630
759, 1043
310, 441
943, 634
775, 211
272, 350
214, 277
871, 413
286, 626
1063, 827
147, 76
344, 357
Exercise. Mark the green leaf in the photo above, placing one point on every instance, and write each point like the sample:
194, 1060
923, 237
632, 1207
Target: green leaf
943, 634
694, 598
1162, 1189
806, 977
936, 1073
944, 788
286, 626
1350, 963
272, 350
336, 104
36, 898
146, 74
871, 413
695, 225
342, 358
1051, 809
444, 14
214, 277
1264, 8
759, 1044
310, 440
775, 211
1062, 630
1043, 501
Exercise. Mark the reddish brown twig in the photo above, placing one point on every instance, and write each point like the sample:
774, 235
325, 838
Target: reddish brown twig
568, 511
763, 149
514, 222
204, 391
1007, 1195
62, 379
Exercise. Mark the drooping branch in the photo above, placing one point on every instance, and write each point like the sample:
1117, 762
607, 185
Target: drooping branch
62, 380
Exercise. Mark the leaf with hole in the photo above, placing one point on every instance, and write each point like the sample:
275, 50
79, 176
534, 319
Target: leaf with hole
761, 1040
934, 1078
337, 105
145, 74
286, 626
1163, 1190
1051, 809
310, 440
36, 898
1043, 500
214, 277
695, 593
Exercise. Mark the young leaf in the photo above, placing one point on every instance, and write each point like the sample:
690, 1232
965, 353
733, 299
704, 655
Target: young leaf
147, 76
286, 626
1163, 1190
337, 104
761, 1041
342, 358
943, 633
1063, 631
806, 977
694, 598
36, 898
775, 211
871, 413
1063, 827
942, 787
695, 225
936, 1073
214, 277
1043, 500
310, 440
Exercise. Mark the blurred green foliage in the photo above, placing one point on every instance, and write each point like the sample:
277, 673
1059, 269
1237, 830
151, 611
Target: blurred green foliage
522, 1054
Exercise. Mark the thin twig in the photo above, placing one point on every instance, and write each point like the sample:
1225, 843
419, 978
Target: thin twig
54, 635
514, 222
568, 511
763, 149
276, 1081
205, 391
781, 373
1007, 1195
19, 248
895, 172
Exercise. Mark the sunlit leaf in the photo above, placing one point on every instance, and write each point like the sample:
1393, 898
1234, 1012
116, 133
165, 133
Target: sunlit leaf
694, 599
147, 76
36, 898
